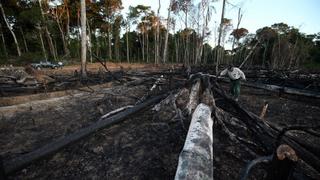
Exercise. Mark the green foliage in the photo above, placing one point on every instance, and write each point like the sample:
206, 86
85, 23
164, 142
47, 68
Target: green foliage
279, 46
282, 47
28, 58
312, 65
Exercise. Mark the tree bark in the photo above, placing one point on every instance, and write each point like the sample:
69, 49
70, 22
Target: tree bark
89, 41
68, 22
11, 31
42, 45
3, 43
194, 97
83, 39
221, 22
63, 38
196, 157
167, 33
109, 41
157, 56
127, 40
24, 40
239, 21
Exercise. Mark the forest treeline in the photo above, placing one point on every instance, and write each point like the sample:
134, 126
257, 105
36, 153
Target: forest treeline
33, 30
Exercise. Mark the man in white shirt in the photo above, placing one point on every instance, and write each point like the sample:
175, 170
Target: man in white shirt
235, 74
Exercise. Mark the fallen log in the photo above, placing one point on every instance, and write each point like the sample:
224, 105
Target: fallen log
266, 134
26, 159
196, 157
194, 97
277, 89
282, 89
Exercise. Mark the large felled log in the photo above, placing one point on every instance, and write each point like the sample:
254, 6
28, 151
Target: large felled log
275, 88
24, 160
281, 89
196, 157
194, 97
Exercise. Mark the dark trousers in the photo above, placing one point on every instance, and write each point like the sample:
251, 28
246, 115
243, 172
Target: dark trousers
235, 88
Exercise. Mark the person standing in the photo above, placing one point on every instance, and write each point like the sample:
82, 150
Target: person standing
235, 75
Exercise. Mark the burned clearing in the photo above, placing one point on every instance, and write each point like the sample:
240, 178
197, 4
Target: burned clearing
134, 124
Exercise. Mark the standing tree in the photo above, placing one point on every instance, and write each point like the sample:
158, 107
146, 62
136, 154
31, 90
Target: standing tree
110, 9
236, 30
83, 39
165, 51
48, 35
11, 30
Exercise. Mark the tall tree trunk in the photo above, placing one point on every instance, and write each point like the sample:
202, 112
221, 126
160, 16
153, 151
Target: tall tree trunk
143, 40
89, 42
238, 24
63, 38
291, 55
167, 33
157, 54
68, 23
177, 49
155, 48
79, 34
264, 56
109, 42
186, 51
3, 43
127, 38
42, 45
97, 47
116, 48
176, 39
11, 31
147, 46
221, 22
83, 39
50, 42
219, 37
24, 40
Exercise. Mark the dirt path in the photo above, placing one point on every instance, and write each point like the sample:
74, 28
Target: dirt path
94, 67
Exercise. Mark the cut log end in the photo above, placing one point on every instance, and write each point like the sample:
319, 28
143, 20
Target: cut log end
285, 151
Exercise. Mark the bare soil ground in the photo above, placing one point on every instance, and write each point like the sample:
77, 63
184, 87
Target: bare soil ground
145, 146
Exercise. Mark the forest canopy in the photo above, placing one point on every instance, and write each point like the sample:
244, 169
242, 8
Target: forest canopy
33, 30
